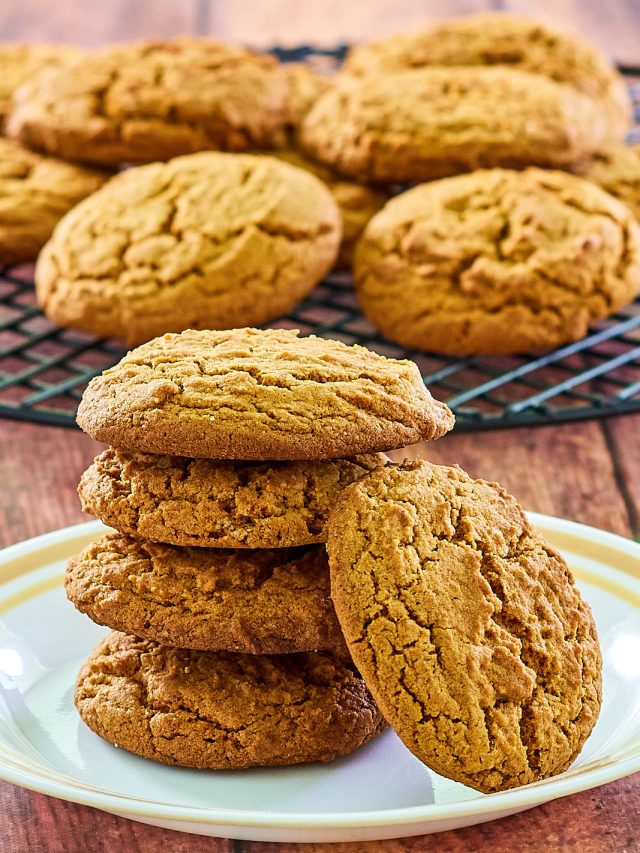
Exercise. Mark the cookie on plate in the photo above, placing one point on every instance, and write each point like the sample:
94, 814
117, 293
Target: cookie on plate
411, 126
20, 63
146, 101
35, 193
218, 503
221, 710
617, 170
465, 624
261, 395
356, 202
497, 262
258, 602
209, 240
508, 40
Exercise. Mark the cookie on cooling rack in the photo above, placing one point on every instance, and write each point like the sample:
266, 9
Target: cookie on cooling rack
35, 193
616, 169
224, 711
209, 240
497, 262
146, 101
411, 126
508, 40
465, 624
261, 395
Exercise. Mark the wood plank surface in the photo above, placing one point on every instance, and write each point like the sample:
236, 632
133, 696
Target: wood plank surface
589, 472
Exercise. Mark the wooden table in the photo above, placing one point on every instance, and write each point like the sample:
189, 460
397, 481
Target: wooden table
588, 472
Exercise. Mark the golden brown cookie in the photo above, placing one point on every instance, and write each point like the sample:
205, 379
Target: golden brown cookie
205, 241
465, 624
261, 602
20, 63
410, 126
617, 170
224, 711
35, 193
508, 40
263, 395
356, 202
497, 262
218, 503
146, 101
305, 87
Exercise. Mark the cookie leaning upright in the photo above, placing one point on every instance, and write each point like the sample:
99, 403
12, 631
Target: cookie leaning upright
465, 624
209, 240
250, 394
146, 101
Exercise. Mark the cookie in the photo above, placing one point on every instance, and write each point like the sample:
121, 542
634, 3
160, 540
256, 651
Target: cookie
208, 240
411, 126
258, 602
465, 624
216, 503
146, 101
497, 262
262, 395
20, 63
617, 170
305, 87
508, 40
223, 711
356, 202
35, 193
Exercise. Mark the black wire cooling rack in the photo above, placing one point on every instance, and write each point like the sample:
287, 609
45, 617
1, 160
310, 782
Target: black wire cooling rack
44, 369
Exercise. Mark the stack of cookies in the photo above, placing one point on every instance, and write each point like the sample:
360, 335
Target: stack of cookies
228, 450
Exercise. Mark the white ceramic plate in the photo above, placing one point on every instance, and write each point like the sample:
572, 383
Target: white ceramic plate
381, 791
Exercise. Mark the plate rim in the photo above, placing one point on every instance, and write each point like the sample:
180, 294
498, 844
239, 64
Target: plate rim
515, 799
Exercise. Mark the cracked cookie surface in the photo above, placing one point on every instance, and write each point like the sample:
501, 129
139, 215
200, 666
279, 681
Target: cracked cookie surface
465, 624
616, 169
146, 101
218, 503
261, 395
497, 262
256, 602
223, 711
19, 63
411, 126
208, 240
507, 40
35, 193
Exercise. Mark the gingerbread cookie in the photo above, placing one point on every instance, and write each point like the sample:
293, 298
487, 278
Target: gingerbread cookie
508, 40
256, 602
146, 101
497, 262
218, 503
411, 126
221, 710
35, 193
465, 624
263, 395
205, 241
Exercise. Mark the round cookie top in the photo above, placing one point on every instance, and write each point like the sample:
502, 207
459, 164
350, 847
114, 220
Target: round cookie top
35, 193
218, 503
222, 710
409, 126
264, 395
616, 169
503, 39
19, 63
209, 240
257, 602
146, 101
465, 624
497, 262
